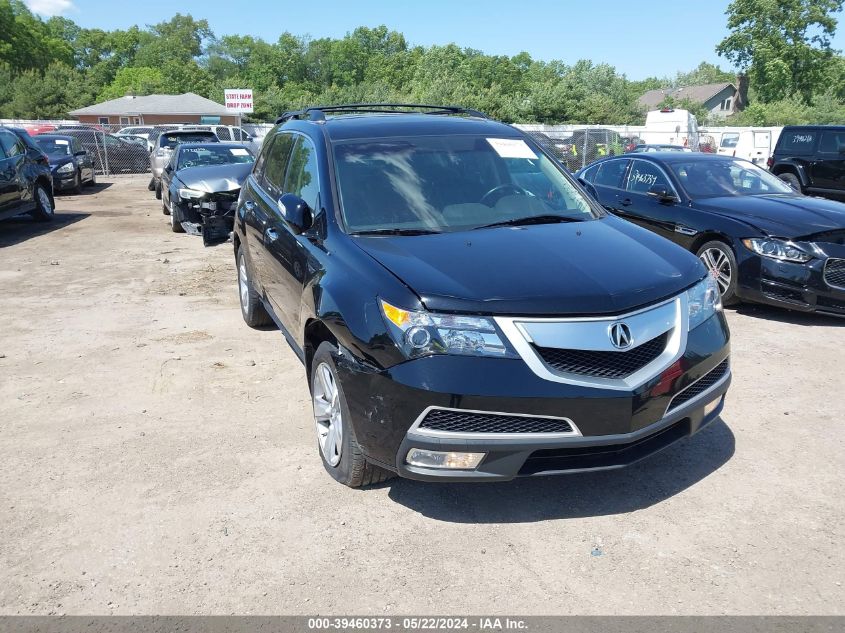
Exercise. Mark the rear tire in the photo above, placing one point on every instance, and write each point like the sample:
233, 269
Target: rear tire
342, 456
252, 310
44, 204
792, 180
720, 261
158, 190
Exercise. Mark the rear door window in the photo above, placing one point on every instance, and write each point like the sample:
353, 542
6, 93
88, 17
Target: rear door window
800, 141
610, 173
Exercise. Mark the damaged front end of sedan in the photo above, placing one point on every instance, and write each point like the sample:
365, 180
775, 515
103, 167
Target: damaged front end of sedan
211, 216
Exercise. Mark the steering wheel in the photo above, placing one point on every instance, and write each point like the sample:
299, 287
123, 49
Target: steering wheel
501, 191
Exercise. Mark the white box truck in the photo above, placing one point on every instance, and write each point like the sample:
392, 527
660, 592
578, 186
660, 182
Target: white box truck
670, 126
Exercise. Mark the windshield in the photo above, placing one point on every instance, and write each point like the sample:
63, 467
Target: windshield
712, 178
449, 183
172, 140
53, 146
212, 155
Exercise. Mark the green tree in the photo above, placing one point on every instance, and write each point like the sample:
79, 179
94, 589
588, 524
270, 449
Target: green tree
783, 45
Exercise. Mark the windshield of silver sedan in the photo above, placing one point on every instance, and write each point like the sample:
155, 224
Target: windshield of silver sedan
433, 184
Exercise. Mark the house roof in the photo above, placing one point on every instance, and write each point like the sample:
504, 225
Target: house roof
698, 94
188, 103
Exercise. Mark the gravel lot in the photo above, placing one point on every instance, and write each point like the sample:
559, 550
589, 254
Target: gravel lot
158, 456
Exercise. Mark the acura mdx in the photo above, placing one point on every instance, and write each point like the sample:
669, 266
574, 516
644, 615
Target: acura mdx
464, 311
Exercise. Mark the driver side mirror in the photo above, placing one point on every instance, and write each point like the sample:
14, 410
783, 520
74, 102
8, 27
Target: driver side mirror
81, 152
296, 212
661, 193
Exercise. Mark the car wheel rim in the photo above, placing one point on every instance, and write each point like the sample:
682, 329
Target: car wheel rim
327, 414
243, 284
44, 201
719, 265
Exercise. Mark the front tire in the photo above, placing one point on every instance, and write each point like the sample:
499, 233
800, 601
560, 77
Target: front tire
342, 456
720, 261
44, 209
176, 218
93, 181
792, 180
252, 310
77, 183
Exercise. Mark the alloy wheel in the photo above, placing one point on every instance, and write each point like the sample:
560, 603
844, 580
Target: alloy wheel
243, 283
44, 201
328, 416
719, 265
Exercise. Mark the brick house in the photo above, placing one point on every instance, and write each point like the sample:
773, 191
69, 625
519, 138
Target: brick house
155, 109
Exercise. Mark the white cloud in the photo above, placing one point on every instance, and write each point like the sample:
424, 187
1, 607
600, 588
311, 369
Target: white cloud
50, 7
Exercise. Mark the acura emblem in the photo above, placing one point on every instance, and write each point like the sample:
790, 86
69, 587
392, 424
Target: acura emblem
620, 336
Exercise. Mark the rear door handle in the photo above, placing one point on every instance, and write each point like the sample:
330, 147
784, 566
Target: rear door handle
270, 235
626, 202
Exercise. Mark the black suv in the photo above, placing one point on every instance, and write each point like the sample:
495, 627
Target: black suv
811, 158
26, 183
464, 311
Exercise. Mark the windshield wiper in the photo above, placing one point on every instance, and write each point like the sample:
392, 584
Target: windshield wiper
531, 219
397, 231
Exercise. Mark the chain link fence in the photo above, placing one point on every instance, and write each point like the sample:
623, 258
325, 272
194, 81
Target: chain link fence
578, 146
118, 150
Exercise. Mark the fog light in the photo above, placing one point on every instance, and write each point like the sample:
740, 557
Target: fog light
438, 459
710, 407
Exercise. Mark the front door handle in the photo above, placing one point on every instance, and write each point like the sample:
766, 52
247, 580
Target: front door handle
249, 205
270, 235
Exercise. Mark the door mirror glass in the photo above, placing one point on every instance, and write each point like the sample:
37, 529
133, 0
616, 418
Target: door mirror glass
295, 212
661, 193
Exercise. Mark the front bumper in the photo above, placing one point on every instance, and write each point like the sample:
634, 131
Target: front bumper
615, 427
800, 287
64, 181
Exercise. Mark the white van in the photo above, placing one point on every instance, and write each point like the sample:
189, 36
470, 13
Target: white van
671, 127
753, 145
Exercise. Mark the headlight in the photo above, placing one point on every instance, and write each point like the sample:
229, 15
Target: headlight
777, 249
704, 301
191, 193
66, 168
423, 333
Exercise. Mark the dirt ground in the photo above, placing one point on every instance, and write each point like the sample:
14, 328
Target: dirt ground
157, 456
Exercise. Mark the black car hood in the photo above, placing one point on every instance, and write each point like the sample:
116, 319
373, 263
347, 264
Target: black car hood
215, 178
594, 267
782, 215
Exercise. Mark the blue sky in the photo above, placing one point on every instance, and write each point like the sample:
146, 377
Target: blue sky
641, 38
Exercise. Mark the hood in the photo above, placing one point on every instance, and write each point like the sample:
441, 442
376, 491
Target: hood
594, 267
215, 178
781, 215
57, 161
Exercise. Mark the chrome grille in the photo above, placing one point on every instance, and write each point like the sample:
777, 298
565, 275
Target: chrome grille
834, 272
452, 421
700, 386
603, 364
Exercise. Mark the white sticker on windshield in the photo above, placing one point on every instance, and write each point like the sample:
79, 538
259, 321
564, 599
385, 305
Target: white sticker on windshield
59, 141
238, 151
511, 148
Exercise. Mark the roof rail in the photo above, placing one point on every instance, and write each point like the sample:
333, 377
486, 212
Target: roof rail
318, 113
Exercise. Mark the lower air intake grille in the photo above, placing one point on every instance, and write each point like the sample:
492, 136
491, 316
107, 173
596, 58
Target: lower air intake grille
603, 364
834, 272
448, 421
700, 386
